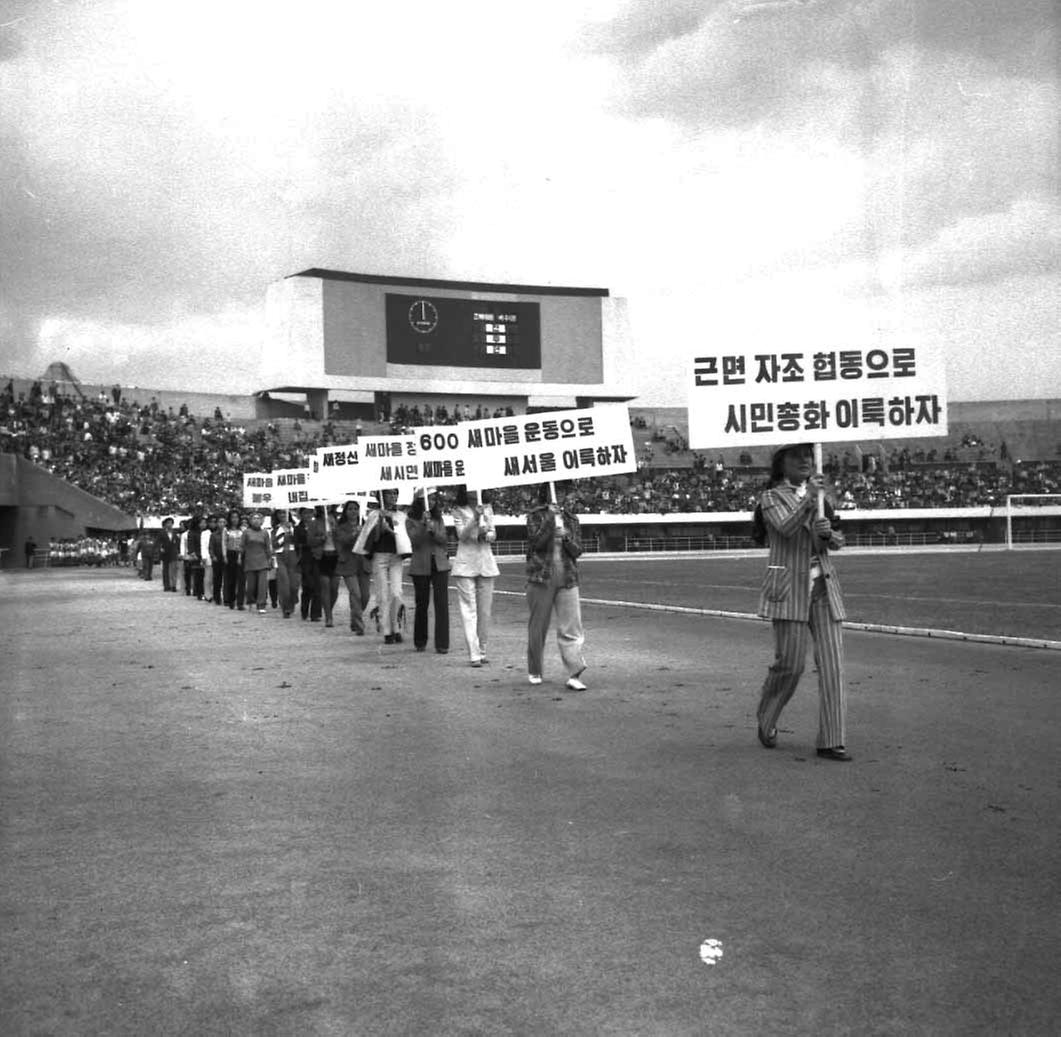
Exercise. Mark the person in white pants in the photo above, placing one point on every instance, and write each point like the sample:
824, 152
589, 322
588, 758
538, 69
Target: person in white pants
474, 571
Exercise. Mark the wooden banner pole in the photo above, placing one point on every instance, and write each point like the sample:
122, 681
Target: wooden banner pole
818, 470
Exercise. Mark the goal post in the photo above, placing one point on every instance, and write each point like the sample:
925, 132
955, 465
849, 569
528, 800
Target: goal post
1032, 519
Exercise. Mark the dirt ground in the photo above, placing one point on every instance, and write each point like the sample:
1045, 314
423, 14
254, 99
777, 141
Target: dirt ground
215, 822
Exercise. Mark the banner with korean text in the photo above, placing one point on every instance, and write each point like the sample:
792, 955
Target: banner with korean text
334, 472
259, 490
283, 488
293, 488
529, 448
386, 462
742, 396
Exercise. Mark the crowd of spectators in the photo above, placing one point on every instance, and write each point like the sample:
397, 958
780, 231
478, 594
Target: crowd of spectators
403, 418
146, 459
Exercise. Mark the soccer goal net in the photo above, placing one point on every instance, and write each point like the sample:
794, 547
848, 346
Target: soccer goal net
1032, 519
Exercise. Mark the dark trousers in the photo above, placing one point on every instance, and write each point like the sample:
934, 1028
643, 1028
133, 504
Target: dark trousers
233, 580
288, 578
193, 580
311, 589
425, 587
147, 564
168, 574
219, 579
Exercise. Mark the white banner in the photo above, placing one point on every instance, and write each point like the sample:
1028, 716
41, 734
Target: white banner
335, 471
529, 448
259, 490
293, 488
388, 462
743, 396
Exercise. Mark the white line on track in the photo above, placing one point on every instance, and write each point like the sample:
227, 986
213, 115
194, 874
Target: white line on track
872, 628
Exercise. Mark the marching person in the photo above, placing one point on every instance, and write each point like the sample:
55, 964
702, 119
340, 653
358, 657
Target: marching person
205, 536
311, 583
169, 546
429, 568
474, 570
352, 568
384, 537
233, 548
320, 537
256, 547
285, 555
801, 595
217, 557
193, 559
553, 547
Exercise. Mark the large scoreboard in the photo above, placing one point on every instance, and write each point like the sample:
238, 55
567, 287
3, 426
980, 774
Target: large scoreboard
457, 332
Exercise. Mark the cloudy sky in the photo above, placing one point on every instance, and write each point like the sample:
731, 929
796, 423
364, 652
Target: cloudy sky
827, 170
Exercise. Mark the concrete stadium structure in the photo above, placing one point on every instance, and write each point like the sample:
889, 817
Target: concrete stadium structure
383, 341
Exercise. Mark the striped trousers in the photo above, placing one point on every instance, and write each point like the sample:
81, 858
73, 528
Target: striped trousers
790, 652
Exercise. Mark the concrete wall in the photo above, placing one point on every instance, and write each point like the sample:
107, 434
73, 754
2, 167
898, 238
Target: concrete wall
33, 501
355, 335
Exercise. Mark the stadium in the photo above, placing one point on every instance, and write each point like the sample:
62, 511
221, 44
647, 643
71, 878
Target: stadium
219, 822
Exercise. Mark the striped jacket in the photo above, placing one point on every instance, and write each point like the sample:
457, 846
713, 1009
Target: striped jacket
786, 586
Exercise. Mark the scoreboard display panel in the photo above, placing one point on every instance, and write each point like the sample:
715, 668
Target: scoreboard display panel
452, 332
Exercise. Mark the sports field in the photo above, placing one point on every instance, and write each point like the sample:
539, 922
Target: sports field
222, 823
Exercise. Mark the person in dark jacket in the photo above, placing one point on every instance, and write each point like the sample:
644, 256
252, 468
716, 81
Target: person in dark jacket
353, 569
169, 549
553, 547
311, 596
429, 569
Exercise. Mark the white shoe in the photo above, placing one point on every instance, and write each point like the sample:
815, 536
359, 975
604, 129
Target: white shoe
534, 678
574, 684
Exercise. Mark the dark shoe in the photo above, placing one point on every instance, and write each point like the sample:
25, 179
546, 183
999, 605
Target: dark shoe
768, 739
836, 752
328, 623
442, 651
397, 639
359, 633
421, 648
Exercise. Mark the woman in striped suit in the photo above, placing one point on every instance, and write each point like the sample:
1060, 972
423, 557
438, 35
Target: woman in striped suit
801, 595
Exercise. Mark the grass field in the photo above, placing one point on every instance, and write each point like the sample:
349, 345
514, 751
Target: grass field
1015, 594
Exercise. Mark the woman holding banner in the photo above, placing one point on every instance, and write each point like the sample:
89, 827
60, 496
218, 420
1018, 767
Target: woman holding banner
553, 547
384, 539
285, 554
352, 568
429, 569
474, 571
233, 548
257, 551
801, 595
320, 539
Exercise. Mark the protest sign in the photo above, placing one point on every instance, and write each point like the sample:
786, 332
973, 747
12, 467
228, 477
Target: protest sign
387, 462
743, 396
258, 490
293, 488
529, 448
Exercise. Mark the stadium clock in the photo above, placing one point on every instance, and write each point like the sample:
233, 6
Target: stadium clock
423, 316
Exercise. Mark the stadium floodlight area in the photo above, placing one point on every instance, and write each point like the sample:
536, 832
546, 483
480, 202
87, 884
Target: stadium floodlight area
1025, 515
